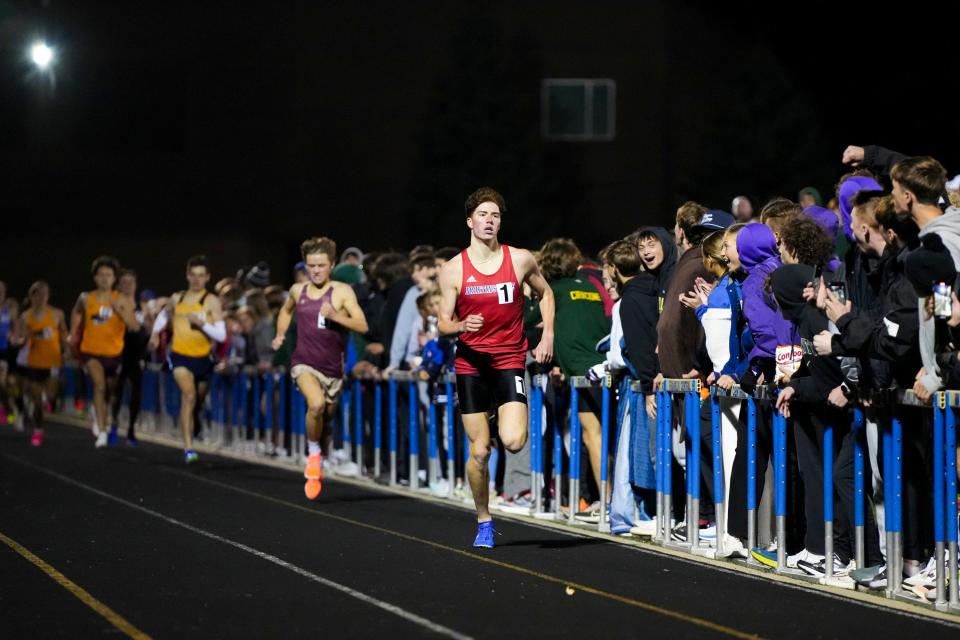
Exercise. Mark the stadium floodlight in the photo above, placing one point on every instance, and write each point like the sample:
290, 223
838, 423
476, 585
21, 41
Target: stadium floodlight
42, 55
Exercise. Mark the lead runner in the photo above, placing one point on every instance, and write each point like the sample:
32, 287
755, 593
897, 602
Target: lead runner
483, 305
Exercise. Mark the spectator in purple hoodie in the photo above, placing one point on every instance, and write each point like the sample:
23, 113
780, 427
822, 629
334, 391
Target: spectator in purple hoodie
757, 254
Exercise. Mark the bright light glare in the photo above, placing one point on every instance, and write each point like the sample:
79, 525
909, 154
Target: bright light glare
41, 54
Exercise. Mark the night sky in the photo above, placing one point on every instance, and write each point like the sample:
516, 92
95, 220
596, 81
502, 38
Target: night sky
238, 128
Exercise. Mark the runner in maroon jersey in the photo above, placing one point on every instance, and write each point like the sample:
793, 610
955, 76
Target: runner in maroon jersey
482, 292
325, 310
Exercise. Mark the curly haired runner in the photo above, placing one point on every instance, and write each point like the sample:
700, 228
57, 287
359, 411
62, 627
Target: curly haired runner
483, 305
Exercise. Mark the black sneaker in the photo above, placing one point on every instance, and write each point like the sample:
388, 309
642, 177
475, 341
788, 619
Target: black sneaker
819, 569
679, 532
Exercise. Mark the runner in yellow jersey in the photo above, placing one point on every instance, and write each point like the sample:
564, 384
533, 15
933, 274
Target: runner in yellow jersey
97, 325
197, 320
43, 331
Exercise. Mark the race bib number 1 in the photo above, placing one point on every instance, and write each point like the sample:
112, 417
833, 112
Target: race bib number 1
505, 292
321, 321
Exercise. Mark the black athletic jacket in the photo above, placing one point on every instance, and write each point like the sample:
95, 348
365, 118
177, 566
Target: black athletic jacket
639, 313
889, 332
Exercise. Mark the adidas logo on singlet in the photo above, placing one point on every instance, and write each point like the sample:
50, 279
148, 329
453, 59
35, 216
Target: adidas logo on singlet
471, 279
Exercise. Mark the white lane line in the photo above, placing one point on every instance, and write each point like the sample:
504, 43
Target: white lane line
380, 604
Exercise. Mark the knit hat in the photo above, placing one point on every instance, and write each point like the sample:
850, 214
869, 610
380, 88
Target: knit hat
812, 191
929, 263
259, 275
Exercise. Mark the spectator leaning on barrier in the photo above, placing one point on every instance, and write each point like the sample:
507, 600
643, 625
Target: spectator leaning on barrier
918, 184
580, 323
755, 249
678, 332
814, 398
423, 267
717, 305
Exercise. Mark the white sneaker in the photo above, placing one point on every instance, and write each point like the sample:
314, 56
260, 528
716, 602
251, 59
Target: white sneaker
802, 555
644, 528
440, 488
347, 469
732, 547
926, 577
101, 440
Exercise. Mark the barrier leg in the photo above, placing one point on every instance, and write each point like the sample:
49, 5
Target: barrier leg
951, 516
938, 503
751, 478
358, 425
346, 406
414, 438
377, 427
828, 499
604, 524
574, 491
557, 454
272, 424
392, 423
888, 500
658, 464
896, 578
780, 486
667, 464
859, 519
718, 488
536, 444
691, 407
433, 460
283, 389
451, 416
256, 416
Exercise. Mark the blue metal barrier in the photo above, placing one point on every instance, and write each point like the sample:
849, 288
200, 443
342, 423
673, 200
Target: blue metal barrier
392, 422
575, 437
859, 516
451, 418
377, 428
947, 402
358, 424
828, 498
536, 441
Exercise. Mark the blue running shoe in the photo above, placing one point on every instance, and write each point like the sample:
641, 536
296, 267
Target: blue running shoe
112, 437
132, 441
485, 533
190, 456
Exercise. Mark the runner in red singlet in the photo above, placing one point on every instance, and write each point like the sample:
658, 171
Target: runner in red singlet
482, 292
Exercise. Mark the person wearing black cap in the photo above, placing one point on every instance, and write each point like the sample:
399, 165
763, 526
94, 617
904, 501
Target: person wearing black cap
680, 338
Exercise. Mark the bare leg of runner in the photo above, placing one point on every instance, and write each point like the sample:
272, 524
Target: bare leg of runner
317, 412
188, 400
478, 432
100, 418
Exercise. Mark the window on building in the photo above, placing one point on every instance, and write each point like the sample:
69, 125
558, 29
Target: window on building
578, 108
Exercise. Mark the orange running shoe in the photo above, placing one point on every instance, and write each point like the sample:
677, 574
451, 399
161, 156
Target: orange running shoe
314, 475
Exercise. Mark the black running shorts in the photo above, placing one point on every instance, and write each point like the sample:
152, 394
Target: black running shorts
489, 389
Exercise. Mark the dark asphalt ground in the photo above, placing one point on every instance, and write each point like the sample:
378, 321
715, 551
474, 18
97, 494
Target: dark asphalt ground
233, 549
